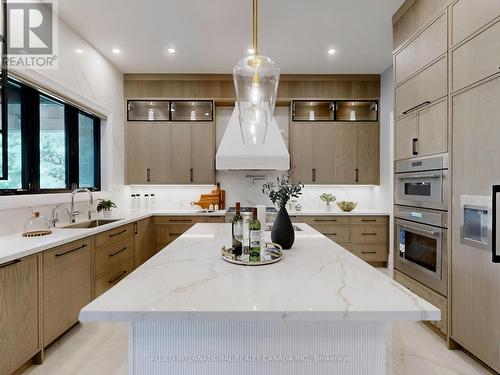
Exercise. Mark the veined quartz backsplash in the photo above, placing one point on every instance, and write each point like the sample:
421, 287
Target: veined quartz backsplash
246, 187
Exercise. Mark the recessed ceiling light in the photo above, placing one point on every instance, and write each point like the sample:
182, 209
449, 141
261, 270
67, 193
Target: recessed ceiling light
331, 51
251, 51
171, 50
116, 50
78, 50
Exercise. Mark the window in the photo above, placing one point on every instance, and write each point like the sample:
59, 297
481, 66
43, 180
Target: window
52, 146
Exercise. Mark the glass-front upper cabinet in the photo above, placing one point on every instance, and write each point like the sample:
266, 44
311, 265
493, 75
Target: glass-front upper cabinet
357, 111
305, 110
148, 110
189, 110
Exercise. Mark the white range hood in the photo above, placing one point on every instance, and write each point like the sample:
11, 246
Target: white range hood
233, 154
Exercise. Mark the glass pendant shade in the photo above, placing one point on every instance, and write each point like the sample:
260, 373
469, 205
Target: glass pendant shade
256, 81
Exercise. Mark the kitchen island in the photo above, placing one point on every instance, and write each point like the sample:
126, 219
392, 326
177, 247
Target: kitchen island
321, 310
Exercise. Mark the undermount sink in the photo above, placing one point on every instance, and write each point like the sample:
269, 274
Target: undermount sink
91, 223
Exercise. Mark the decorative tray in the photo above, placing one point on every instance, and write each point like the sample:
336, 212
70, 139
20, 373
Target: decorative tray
272, 253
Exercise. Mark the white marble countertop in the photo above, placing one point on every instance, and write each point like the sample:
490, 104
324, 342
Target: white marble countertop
16, 246
317, 280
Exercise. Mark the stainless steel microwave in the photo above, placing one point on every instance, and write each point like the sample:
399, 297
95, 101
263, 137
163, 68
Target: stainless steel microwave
422, 182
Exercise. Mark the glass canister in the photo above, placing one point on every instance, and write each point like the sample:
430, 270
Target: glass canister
37, 225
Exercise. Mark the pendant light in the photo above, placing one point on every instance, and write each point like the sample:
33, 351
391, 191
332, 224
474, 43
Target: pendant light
256, 81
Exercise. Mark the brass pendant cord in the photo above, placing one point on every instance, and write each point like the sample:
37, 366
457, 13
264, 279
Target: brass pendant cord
255, 25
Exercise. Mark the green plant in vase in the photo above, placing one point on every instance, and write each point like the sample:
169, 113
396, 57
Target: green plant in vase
105, 205
327, 198
280, 192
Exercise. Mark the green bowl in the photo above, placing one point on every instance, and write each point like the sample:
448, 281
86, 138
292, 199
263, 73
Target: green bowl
347, 206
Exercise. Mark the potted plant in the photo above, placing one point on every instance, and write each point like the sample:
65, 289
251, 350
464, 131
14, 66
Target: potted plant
327, 198
280, 192
105, 205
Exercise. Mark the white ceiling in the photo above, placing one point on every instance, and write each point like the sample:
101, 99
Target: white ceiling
210, 36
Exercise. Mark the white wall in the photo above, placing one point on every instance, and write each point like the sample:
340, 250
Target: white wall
93, 81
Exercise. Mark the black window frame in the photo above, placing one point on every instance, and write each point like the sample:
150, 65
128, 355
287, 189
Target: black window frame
3, 94
30, 133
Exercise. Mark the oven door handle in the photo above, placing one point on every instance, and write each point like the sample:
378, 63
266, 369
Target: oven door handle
417, 176
431, 232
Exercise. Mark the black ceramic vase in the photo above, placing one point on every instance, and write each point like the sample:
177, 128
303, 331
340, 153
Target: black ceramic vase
282, 232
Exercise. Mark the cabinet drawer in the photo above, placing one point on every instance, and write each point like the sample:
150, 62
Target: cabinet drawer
469, 16
429, 295
214, 219
67, 286
114, 235
362, 220
167, 233
337, 233
478, 58
368, 233
426, 87
113, 276
332, 220
371, 252
179, 219
425, 48
109, 256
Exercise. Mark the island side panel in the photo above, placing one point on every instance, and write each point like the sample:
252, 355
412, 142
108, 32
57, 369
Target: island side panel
251, 348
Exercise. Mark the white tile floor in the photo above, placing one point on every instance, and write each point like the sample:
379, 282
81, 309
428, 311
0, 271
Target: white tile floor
101, 348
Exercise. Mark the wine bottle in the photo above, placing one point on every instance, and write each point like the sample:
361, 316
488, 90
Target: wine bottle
255, 237
237, 231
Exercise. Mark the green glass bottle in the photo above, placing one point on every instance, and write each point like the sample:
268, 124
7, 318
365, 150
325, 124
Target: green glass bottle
237, 231
255, 237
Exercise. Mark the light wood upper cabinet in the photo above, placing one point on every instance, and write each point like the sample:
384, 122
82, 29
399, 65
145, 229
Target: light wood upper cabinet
324, 153
425, 48
424, 88
159, 166
478, 58
181, 153
204, 154
170, 153
67, 286
405, 132
302, 153
367, 157
345, 153
137, 152
19, 319
469, 16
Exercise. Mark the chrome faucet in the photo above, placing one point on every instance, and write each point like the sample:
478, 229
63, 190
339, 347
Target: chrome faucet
55, 219
72, 212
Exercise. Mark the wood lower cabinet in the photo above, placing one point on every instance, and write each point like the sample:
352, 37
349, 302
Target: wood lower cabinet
365, 236
429, 295
168, 228
67, 286
143, 237
110, 278
19, 316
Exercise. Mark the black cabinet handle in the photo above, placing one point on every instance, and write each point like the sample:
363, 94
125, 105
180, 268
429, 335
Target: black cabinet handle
175, 234
136, 228
191, 175
368, 252
314, 174
427, 102
180, 220
118, 252
414, 146
330, 234
325, 220
117, 277
148, 177
369, 220
70, 251
368, 234
15, 261
117, 233
357, 174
